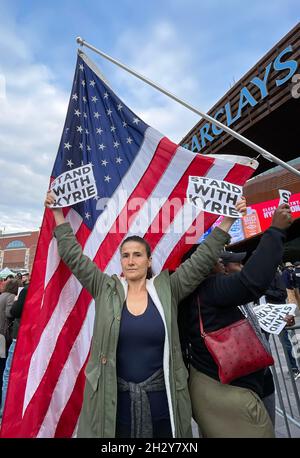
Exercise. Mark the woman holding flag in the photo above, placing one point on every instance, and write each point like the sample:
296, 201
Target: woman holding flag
136, 381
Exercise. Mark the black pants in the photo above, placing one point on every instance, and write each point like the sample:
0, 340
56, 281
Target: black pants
161, 429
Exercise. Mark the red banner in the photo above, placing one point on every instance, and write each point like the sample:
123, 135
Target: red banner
266, 209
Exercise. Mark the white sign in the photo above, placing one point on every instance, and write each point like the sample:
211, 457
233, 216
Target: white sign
214, 196
284, 196
74, 186
270, 316
19, 290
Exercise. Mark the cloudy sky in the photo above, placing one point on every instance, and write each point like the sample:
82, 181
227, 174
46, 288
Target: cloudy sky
194, 48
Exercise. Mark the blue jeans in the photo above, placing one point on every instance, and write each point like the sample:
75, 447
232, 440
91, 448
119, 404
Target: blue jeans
6, 374
288, 345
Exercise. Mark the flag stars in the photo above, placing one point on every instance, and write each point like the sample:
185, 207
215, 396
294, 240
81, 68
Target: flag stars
92, 83
75, 96
116, 144
112, 129
104, 162
99, 130
81, 146
109, 112
129, 140
107, 178
119, 160
81, 67
87, 215
88, 148
135, 121
77, 113
102, 146
120, 106
83, 83
94, 99
87, 132
96, 114
124, 124
96, 197
70, 163
84, 115
105, 96
79, 129
67, 145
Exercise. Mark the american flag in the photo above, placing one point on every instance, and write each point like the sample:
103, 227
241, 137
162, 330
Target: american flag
132, 163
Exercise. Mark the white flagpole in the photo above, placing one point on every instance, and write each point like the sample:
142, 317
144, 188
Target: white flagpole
227, 129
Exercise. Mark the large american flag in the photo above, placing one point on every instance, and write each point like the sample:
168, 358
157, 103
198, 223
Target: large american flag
132, 163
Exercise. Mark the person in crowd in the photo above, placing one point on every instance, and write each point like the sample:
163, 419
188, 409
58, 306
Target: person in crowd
289, 280
275, 294
297, 281
235, 409
6, 302
136, 382
15, 313
19, 278
25, 278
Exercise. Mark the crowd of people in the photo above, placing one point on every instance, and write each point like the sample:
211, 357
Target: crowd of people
12, 297
154, 364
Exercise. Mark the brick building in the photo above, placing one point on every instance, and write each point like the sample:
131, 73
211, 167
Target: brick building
17, 250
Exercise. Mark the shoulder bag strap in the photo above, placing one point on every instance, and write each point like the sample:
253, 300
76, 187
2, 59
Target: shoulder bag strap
200, 321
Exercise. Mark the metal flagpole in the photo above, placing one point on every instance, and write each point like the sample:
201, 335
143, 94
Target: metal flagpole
227, 129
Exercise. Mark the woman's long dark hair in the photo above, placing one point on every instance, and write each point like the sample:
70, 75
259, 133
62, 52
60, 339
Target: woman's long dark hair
11, 286
136, 238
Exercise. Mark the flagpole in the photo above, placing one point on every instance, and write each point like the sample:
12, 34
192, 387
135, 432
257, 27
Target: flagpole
227, 129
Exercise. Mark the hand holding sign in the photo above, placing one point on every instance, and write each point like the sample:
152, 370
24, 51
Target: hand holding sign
57, 212
74, 186
282, 217
273, 317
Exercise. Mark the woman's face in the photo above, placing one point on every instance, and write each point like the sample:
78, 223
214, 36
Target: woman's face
134, 261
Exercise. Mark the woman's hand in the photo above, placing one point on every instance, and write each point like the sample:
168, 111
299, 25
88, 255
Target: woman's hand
57, 212
227, 222
50, 199
290, 320
241, 206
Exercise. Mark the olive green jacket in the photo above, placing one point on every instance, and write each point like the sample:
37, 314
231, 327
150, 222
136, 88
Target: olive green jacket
98, 414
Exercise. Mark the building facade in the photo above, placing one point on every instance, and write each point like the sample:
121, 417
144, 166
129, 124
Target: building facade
17, 250
263, 106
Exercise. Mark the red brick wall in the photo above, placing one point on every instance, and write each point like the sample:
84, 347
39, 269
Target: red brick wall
15, 258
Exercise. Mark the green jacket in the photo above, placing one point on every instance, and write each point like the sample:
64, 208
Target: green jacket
98, 414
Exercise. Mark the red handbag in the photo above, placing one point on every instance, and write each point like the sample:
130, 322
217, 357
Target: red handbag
236, 349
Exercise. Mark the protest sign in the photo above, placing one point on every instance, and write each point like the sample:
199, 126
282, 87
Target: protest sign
74, 186
214, 196
284, 196
270, 316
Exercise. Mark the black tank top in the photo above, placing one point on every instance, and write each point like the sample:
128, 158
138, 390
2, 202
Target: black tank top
139, 355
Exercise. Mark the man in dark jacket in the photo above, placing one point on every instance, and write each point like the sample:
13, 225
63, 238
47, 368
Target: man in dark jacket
235, 409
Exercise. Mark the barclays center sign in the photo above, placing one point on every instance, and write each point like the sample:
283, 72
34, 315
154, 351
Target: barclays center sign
284, 67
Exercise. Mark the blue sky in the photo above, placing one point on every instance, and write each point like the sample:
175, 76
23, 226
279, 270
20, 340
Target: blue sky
194, 48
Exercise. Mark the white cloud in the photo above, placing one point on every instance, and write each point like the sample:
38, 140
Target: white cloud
31, 119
